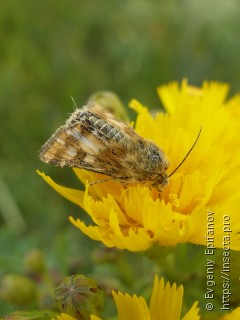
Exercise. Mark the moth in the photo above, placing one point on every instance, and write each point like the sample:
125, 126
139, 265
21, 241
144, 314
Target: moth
93, 139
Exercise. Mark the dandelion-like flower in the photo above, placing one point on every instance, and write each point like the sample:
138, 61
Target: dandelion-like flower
165, 303
137, 217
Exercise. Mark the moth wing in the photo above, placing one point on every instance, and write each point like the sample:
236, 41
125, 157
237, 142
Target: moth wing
110, 118
78, 144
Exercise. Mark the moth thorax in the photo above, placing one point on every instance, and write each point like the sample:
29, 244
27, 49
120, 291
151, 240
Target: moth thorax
156, 160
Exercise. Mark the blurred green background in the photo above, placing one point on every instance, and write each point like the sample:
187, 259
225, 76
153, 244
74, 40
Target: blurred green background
52, 50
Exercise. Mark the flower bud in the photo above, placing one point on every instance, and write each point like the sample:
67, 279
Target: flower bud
80, 297
34, 261
17, 289
111, 102
31, 315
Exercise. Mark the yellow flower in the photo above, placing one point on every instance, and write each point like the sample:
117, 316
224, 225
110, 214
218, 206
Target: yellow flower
234, 315
165, 303
203, 192
64, 316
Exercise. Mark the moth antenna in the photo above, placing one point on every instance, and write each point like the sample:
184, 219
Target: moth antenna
183, 160
74, 103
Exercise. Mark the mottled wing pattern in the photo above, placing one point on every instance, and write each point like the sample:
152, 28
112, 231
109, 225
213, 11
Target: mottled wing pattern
91, 139
100, 113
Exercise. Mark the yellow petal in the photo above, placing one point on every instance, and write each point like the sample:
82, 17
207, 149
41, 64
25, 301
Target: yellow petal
74, 195
234, 315
64, 316
166, 301
193, 313
130, 308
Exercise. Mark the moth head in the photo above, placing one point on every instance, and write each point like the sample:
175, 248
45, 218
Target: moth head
161, 182
162, 179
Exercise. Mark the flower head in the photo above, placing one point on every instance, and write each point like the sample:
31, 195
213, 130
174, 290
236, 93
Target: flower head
138, 216
165, 303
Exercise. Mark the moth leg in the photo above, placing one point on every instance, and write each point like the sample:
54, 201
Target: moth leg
100, 181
